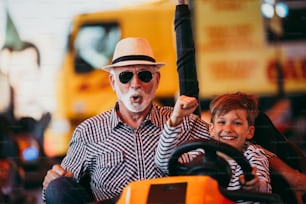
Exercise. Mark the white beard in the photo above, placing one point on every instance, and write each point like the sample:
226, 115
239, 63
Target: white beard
135, 107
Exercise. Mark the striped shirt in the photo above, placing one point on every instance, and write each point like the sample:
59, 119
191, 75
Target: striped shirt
114, 154
255, 154
174, 136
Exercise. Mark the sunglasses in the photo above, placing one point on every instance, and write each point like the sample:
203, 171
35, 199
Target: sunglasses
126, 76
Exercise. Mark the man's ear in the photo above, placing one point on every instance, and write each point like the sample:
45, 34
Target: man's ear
251, 132
111, 78
157, 77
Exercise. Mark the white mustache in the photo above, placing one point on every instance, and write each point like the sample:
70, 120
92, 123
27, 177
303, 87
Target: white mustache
132, 93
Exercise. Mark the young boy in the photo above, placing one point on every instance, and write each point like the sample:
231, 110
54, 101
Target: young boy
232, 122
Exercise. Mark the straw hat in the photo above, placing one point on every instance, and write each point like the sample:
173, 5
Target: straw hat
133, 51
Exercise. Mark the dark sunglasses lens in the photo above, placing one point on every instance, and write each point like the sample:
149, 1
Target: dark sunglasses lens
145, 76
125, 77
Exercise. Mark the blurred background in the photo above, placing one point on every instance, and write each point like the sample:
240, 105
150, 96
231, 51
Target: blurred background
51, 51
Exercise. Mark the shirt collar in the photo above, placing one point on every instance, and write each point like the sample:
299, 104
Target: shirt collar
153, 116
115, 120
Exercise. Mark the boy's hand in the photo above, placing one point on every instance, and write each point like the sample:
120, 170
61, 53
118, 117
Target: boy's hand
184, 106
181, 2
251, 185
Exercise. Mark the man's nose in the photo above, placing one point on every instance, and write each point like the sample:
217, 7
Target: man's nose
135, 81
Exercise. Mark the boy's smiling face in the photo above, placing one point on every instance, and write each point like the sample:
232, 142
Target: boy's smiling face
232, 128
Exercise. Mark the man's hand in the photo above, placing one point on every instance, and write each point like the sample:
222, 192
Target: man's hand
251, 185
184, 106
56, 172
295, 178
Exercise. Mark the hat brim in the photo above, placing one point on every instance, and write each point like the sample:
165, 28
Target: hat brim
133, 62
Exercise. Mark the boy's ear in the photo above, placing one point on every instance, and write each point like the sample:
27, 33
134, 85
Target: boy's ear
211, 129
251, 132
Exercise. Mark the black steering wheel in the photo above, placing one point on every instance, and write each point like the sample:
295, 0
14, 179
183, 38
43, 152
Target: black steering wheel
209, 163
214, 165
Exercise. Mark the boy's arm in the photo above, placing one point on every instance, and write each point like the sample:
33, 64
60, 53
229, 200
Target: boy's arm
166, 146
184, 106
261, 172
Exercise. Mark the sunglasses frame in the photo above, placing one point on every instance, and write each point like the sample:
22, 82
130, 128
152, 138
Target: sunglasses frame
142, 78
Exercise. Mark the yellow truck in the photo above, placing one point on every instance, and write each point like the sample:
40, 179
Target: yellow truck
233, 52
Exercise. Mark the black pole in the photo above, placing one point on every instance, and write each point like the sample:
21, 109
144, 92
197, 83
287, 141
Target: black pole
186, 63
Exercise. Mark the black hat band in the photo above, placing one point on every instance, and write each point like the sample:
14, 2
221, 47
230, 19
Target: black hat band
133, 57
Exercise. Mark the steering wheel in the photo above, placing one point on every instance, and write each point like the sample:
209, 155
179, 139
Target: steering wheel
209, 163
214, 165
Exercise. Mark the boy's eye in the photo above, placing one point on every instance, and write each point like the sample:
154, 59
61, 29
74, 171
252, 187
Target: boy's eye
221, 122
237, 123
